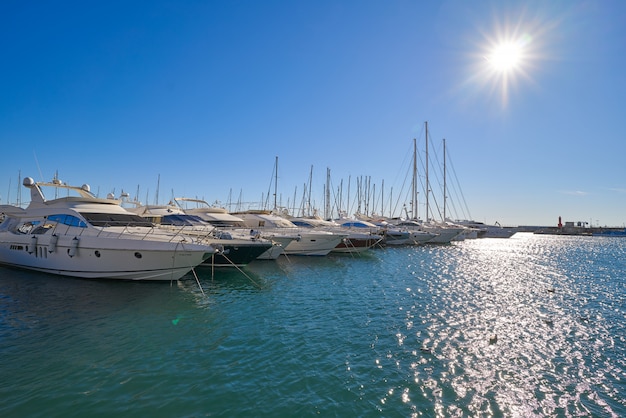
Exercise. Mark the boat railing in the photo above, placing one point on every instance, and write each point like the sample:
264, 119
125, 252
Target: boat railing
151, 231
56, 228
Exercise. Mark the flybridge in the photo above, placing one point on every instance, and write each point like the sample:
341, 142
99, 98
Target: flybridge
62, 190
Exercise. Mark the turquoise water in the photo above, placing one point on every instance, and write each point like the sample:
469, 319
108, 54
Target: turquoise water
526, 326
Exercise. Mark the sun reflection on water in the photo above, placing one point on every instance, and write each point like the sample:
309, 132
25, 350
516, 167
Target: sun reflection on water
504, 334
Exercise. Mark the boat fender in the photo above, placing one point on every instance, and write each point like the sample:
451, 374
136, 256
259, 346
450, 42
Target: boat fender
73, 247
52, 246
32, 247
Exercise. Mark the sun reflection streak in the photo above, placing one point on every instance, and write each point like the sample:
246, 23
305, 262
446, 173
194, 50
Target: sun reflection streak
540, 363
554, 355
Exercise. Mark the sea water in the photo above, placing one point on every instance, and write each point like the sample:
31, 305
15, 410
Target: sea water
520, 327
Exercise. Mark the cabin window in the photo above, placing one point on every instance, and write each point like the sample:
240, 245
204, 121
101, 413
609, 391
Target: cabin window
116, 219
26, 227
354, 225
69, 220
302, 224
42, 229
182, 220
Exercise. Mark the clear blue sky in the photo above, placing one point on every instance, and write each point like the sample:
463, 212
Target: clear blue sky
205, 94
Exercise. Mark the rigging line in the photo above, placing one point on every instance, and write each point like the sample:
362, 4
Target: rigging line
240, 270
438, 175
406, 162
454, 209
193, 269
337, 204
285, 254
406, 165
272, 181
455, 200
348, 244
174, 261
459, 185
429, 195
38, 168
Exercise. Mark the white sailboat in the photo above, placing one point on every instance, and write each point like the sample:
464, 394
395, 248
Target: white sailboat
444, 233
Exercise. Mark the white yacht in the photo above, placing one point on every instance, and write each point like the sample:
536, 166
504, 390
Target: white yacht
444, 234
395, 234
234, 250
488, 231
309, 242
233, 225
83, 236
360, 238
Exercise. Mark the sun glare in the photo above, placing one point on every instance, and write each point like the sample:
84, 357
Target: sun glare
506, 61
506, 56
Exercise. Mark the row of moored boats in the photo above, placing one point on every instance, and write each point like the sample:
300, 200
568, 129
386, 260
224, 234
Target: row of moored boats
82, 235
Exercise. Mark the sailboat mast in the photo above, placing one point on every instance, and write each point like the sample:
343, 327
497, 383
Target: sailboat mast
19, 190
444, 180
309, 194
327, 214
156, 198
414, 188
275, 183
426, 169
340, 203
348, 205
382, 197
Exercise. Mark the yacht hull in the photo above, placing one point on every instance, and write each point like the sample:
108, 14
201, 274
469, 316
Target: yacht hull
236, 254
317, 244
396, 237
278, 247
356, 245
444, 235
119, 259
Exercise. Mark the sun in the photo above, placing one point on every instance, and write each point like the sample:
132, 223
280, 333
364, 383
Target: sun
506, 53
506, 56
505, 61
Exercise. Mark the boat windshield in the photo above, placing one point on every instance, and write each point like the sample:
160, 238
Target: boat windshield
355, 224
115, 219
279, 222
182, 220
69, 220
302, 224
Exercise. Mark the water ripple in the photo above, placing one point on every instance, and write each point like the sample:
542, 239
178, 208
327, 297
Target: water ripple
526, 327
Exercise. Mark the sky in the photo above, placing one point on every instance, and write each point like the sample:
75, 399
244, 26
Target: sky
228, 101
